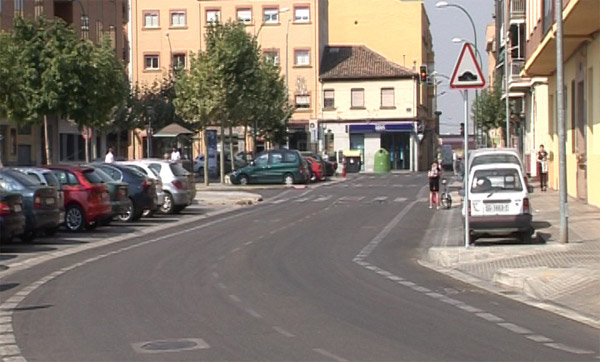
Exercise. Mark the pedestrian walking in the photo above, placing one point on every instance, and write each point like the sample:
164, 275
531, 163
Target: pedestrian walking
542, 160
109, 158
434, 185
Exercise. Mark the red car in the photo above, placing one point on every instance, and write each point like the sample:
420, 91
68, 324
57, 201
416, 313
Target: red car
87, 199
316, 169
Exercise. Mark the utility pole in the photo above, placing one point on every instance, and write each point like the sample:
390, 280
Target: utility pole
562, 140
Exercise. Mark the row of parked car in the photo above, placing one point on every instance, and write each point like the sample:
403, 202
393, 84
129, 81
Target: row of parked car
36, 200
284, 166
499, 191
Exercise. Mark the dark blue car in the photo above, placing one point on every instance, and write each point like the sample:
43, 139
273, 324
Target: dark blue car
141, 189
40, 203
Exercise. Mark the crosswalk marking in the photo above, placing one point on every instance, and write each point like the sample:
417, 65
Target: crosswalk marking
322, 198
380, 199
400, 199
330, 198
351, 198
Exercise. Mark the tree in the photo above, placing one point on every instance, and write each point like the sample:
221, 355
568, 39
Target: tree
48, 71
489, 108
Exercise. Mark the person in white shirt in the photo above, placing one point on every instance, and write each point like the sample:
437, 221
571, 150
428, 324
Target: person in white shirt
175, 155
109, 158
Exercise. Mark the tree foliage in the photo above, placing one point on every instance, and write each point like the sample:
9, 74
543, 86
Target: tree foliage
489, 109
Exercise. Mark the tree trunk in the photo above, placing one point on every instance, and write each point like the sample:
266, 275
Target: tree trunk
87, 146
222, 155
245, 138
231, 147
205, 156
47, 146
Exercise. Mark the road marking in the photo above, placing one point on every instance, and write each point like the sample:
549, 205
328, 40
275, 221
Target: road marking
330, 355
215, 275
253, 313
235, 250
351, 198
221, 285
277, 201
565, 348
322, 198
490, 317
380, 199
283, 332
302, 199
539, 338
515, 328
235, 298
400, 199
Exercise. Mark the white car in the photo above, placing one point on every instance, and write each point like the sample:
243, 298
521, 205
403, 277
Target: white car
144, 168
483, 156
499, 202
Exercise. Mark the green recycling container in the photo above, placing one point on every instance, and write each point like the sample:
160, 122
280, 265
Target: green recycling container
382, 161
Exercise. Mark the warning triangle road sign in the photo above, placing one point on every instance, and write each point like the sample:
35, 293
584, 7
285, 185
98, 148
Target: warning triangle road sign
467, 72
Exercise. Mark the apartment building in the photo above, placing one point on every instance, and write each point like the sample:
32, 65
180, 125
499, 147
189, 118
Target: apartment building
397, 31
581, 54
289, 32
92, 19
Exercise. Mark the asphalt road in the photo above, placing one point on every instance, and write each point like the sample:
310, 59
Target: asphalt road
318, 274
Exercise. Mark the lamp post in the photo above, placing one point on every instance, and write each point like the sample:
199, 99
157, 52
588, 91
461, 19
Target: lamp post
445, 4
149, 113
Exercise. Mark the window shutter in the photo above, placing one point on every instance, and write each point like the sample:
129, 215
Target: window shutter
387, 97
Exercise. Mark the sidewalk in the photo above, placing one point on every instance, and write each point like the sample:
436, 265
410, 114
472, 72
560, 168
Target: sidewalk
563, 278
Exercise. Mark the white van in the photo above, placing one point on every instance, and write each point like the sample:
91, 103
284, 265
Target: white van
499, 202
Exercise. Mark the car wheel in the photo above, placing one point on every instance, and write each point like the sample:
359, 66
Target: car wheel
127, 216
74, 218
243, 179
525, 237
148, 213
167, 207
178, 208
288, 179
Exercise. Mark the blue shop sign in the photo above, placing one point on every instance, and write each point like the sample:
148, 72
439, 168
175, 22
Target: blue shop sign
380, 127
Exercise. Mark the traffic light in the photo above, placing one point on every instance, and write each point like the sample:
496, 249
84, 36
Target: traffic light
462, 129
423, 73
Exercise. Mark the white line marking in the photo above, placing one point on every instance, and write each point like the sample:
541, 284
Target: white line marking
235, 250
215, 275
283, 332
469, 308
248, 242
221, 285
278, 201
490, 317
302, 199
253, 313
330, 355
539, 338
322, 198
235, 298
380, 199
567, 348
400, 199
515, 328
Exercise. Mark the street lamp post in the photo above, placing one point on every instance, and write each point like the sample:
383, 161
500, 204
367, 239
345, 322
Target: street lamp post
445, 4
149, 112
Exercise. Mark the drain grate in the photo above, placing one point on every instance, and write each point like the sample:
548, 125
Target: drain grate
170, 345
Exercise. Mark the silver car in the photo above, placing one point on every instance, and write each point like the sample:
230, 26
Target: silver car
46, 177
178, 184
144, 168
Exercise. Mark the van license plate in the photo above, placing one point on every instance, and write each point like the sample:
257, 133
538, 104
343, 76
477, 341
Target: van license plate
496, 208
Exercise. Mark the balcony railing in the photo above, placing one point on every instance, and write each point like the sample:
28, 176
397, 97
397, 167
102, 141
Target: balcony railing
516, 65
517, 10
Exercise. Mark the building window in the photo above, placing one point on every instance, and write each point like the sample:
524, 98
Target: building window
99, 30
213, 16
113, 36
301, 14
18, 7
151, 62
272, 56
358, 98
329, 99
178, 61
301, 57
244, 15
151, 19
271, 15
38, 8
387, 98
178, 19
85, 27
302, 101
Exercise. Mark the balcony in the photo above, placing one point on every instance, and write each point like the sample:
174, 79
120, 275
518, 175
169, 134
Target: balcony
516, 65
517, 11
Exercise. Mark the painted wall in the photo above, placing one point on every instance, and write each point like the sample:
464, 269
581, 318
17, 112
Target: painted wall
593, 121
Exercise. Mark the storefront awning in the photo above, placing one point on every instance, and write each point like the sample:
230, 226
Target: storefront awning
380, 127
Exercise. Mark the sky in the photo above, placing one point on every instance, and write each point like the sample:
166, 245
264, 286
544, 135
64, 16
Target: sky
446, 24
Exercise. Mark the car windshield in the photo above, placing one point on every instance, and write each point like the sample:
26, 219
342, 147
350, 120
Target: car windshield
496, 180
103, 175
178, 170
495, 158
92, 176
16, 181
51, 180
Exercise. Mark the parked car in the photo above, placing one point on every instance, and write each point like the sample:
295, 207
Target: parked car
46, 177
273, 166
499, 202
483, 156
87, 200
316, 168
40, 203
329, 166
214, 162
178, 184
119, 195
12, 219
141, 189
144, 168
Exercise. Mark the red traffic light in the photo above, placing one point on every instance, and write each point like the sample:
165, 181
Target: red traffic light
423, 73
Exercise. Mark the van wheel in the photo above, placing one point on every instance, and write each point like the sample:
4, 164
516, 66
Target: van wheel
288, 179
243, 180
74, 218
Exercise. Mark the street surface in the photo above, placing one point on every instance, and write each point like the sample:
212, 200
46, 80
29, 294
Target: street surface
327, 273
